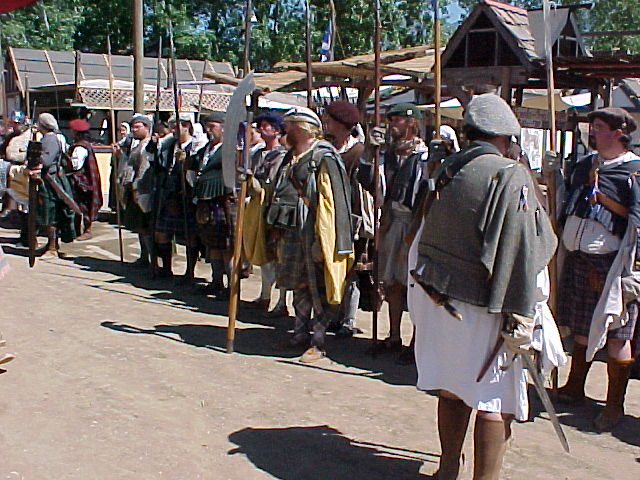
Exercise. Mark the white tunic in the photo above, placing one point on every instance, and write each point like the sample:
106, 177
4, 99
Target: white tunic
450, 353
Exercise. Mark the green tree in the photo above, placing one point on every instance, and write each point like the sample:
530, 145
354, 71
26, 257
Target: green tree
213, 29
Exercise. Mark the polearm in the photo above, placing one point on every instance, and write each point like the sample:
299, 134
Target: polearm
156, 115
176, 148
153, 255
234, 287
307, 48
116, 168
376, 169
437, 67
551, 174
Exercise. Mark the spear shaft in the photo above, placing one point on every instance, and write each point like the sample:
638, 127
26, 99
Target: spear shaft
116, 166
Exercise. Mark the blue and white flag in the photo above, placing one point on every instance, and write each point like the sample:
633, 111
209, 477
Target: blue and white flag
326, 51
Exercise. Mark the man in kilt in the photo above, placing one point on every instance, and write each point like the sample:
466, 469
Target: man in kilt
602, 218
175, 207
310, 212
53, 214
265, 163
84, 178
215, 208
340, 120
405, 162
137, 186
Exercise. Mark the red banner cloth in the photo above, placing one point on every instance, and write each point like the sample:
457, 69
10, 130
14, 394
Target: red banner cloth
10, 5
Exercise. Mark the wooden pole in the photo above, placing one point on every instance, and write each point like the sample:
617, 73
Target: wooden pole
236, 260
551, 175
376, 170
307, 18
27, 97
138, 57
176, 106
3, 92
438, 69
116, 167
156, 116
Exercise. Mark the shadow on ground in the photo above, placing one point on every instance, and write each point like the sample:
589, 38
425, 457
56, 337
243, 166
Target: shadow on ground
262, 341
322, 452
581, 417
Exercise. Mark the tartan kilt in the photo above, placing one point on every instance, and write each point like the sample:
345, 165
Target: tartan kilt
291, 267
216, 222
171, 220
582, 282
52, 211
135, 219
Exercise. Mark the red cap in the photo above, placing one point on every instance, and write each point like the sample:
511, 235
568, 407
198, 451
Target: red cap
79, 125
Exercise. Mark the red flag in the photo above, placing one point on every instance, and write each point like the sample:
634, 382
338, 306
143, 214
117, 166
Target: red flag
10, 5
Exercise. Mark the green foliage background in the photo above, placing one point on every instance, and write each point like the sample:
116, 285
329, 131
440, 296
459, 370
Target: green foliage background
213, 29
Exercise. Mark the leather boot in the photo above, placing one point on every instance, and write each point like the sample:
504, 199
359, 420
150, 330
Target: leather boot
573, 391
489, 444
618, 372
453, 420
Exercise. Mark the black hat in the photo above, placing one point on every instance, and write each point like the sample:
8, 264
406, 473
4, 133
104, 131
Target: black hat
615, 117
214, 117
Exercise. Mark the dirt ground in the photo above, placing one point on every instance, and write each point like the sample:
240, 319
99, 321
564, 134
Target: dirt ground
119, 376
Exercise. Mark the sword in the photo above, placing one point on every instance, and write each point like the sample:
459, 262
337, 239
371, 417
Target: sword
34, 154
437, 297
61, 194
538, 383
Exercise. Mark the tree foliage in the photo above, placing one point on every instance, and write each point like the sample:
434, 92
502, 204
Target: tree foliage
213, 29
605, 16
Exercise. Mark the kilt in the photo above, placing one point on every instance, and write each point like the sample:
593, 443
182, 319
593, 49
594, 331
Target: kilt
394, 250
135, 219
216, 222
291, 263
582, 282
52, 211
171, 220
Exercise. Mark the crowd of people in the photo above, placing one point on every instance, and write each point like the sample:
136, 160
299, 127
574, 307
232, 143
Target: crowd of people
465, 238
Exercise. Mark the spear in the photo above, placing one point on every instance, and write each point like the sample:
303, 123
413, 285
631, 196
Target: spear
247, 82
438, 67
376, 169
551, 174
116, 166
183, 180
307, 19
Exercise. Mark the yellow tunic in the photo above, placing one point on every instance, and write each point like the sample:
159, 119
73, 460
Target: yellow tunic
336, 266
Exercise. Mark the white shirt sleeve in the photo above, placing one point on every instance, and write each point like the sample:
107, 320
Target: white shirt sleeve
78, 156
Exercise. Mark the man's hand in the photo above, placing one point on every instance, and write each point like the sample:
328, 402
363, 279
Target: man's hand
517, 333
34, 172
551, 161
116, 149
377, 136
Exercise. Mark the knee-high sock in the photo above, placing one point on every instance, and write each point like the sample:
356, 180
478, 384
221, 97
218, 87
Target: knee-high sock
302, 306
217, 269
268, 278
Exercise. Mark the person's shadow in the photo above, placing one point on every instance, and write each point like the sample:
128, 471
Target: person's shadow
323, 453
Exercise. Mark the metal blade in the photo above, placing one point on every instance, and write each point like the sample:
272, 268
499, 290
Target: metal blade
236, 113
538, 383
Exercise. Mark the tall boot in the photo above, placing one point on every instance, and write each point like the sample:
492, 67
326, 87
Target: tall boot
453, 420
573, 390
489, 444
618, 372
